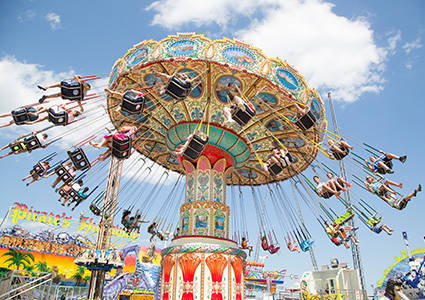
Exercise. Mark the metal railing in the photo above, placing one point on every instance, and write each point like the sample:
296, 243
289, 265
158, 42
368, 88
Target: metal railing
21, 284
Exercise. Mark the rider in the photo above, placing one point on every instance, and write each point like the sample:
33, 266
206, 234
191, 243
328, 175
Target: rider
167, 78
35, 176
32, 114
85, 87
244, 245
152, 230
121, 96
383, 164
373, 225
386, 193
122, 133
339, 182
339, 149
182, 148
236, 102
59, 110
83, 196
280, 157
21, 141
292, 246
66, 188
325, 189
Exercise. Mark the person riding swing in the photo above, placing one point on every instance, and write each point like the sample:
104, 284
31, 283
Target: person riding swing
339, 149
305, 117
244, 245
23, 116
118, 144
383, 191
71, 89
325, 189
373, 224
383, 164
25, 143
239, 111
279, 160
132, 101
176, 86
194, 145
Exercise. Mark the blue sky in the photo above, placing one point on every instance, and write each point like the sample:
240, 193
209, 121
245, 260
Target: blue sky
369, 53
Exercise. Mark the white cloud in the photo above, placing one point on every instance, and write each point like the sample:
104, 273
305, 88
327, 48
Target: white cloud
392, 41
19, 80
409, 65
416, 44
331, 51
54, 21
26, 16
18, 87
172, 13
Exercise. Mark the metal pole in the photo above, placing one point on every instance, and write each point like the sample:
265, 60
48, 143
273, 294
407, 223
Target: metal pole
97, 278
311, 251
355, 250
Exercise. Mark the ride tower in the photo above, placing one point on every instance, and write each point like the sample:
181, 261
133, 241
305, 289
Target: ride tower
202, 262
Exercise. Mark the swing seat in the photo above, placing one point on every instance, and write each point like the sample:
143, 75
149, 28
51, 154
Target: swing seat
58, 118
195, 148
64, 174
22, 115
177, 88
336, 241
275, 169
344, 218
32, 143
272, 249
242, 116
306, 121
72, 193
121, 147
383, 171
79, 159
63, 193
160, 236
39, 169
94, 209
306, 245
133, 103
72, 89
374, 220
401, 204
77, 198
18, 148
264, 244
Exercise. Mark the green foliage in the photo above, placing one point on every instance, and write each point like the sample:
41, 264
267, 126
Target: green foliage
42, 266
18, 259
78, 275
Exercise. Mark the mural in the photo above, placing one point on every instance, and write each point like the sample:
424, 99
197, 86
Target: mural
287, 79
224, 85
263, 102
137, 56
183, 47
239, 55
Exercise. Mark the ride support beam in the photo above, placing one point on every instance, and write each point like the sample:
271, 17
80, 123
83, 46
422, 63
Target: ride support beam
97, 278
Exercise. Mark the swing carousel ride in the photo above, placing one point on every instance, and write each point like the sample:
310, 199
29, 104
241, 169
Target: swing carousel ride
216, 113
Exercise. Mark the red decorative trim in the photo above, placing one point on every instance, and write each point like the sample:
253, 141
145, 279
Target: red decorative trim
203, 236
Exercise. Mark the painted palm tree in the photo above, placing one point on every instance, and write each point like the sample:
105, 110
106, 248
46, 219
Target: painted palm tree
79, 274
42, 266
18, 259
